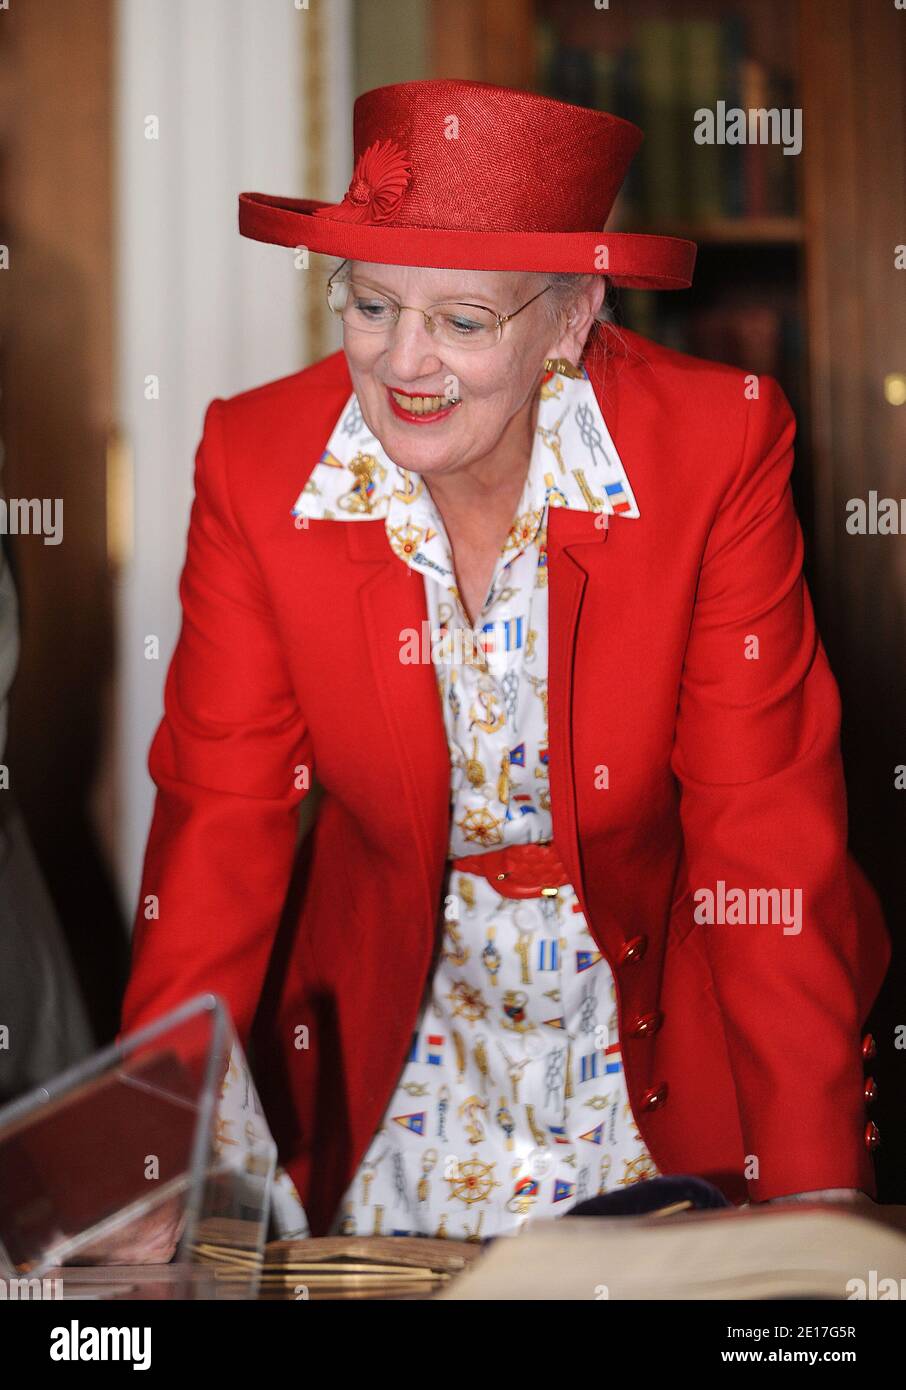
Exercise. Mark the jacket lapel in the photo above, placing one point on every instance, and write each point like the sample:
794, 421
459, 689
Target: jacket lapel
570, 537
392, 600
577, 554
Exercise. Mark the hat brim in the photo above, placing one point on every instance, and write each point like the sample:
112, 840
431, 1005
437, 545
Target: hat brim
633, 260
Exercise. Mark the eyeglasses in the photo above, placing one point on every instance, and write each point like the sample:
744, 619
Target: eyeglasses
470, 326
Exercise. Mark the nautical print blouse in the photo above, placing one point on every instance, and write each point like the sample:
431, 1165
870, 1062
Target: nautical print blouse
512, 1103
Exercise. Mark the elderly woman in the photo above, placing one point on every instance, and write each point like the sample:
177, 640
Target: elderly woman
521, 597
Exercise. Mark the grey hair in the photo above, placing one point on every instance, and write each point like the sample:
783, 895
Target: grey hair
565, 287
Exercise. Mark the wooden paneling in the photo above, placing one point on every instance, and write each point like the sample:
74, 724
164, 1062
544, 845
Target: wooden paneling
854, 97
853, 79
57, 392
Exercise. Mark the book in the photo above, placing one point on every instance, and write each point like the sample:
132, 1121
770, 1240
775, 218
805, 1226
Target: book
363, 1266
806, 1250
753, 155
735, 47
702, 84
666, 148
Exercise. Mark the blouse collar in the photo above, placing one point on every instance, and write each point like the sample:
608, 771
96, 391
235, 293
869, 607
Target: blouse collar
574, 464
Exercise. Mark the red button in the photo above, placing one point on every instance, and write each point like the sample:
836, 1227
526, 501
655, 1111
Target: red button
633, 950
869, 1047
872, 1135
654, 1099
645, 1024
871, 1090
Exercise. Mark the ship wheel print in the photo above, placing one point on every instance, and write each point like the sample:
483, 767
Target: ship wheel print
405, 540
638, 1170
473, 1181
467, 1003
481, 826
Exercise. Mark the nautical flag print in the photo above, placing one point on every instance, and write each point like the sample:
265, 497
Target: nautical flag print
586, 959
506, 634
613, 1058
549, 955
522, 803
618, 498
594, 1136
433, 1052
589, 1065
562, 1190
414, 1123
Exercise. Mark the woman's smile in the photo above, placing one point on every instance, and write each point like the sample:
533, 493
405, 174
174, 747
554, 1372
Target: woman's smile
420, 409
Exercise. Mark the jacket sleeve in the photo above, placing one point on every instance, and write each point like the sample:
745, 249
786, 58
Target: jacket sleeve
227, 760
763, 807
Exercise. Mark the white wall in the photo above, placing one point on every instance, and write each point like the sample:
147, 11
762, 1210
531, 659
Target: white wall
208, 312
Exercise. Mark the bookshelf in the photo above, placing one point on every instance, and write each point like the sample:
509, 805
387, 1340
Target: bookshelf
688, 74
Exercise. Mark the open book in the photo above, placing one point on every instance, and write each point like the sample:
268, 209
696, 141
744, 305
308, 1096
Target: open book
810, 1250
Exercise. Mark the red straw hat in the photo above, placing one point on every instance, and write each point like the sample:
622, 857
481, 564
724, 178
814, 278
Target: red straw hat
470, 176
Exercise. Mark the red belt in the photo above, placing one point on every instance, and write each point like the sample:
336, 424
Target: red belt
518, 871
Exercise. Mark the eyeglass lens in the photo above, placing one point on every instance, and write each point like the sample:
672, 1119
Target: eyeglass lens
460, 325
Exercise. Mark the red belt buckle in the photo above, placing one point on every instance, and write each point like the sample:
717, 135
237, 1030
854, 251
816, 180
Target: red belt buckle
518, 871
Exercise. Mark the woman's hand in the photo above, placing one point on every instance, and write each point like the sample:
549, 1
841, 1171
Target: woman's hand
150, 1239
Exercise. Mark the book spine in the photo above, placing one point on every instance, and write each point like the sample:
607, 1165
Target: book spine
755, 89
659, 94
782, 168
733, 164
702, 83
573, 76
626, 104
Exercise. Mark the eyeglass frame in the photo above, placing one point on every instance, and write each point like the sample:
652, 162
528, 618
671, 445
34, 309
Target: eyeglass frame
429, 322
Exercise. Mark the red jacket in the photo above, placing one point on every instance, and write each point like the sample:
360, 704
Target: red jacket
721, 767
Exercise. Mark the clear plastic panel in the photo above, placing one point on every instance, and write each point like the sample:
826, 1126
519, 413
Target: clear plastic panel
154, 1150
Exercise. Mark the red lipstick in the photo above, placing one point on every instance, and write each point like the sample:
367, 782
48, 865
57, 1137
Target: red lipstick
410, 417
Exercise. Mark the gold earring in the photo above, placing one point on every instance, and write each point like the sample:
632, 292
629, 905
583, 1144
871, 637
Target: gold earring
561, 365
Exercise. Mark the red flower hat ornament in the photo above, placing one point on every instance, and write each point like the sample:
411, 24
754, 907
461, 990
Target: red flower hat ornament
380, 178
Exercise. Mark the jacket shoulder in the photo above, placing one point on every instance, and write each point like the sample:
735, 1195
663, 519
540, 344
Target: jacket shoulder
635, 363
691, 432
274, 434
313, 389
